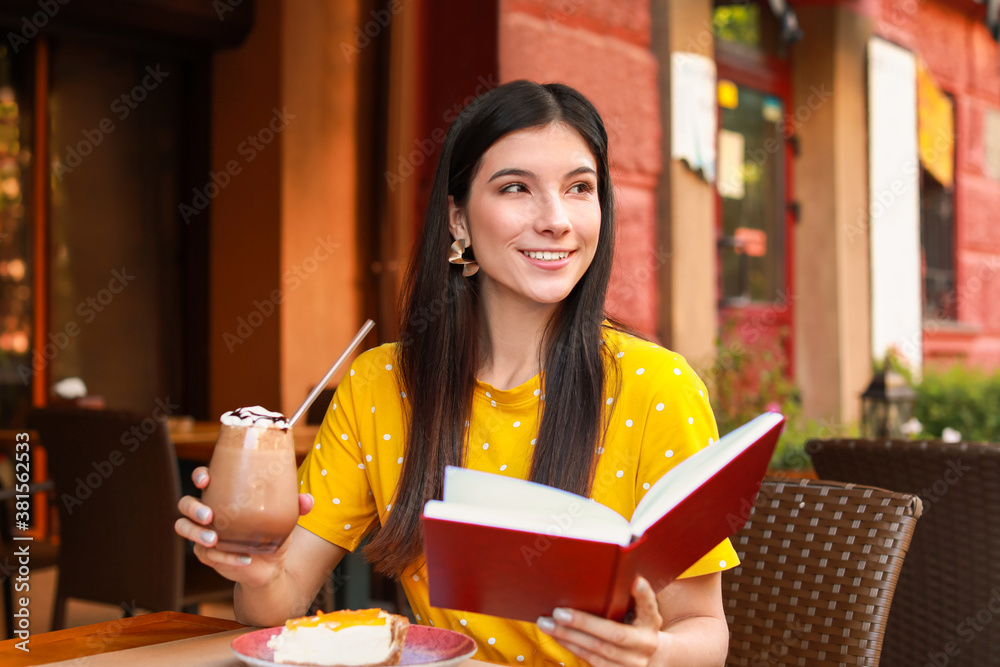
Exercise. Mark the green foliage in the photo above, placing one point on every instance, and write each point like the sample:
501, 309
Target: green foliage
967, 400
791, 452
738, 23
894, 361
746, 380
744, 383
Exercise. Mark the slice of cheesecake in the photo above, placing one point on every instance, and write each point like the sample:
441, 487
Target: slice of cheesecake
361, 638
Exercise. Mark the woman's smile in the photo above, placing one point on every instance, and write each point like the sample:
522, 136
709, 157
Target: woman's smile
534, 193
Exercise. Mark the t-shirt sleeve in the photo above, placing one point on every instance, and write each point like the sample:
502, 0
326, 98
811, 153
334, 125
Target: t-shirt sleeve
679, 423
335, 474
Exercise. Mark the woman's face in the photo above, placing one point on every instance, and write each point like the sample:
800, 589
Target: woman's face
532, 217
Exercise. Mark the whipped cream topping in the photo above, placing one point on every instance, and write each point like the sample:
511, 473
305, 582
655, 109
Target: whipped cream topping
255, 416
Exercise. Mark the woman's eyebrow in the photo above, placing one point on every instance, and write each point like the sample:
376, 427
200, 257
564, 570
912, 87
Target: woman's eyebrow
524, 173
511, 171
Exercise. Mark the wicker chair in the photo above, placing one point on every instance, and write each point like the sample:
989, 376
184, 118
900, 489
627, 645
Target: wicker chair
947, 606
819, 564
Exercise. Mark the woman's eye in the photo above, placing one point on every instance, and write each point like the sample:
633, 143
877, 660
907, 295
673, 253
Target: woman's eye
514, 187
582, 188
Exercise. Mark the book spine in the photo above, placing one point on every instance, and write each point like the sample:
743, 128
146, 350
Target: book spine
620, 596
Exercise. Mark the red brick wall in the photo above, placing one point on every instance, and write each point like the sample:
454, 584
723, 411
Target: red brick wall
952, 39
601, 48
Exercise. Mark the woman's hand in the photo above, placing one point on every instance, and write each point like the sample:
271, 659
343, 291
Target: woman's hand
254, 571
602, 642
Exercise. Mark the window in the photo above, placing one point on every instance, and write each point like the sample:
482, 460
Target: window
936, 140
16, 302
751, 185
115, 150
115, 293
937, 240
754, 212
748, 26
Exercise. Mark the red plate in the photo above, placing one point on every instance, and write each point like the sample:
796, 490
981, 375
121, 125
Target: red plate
425, 646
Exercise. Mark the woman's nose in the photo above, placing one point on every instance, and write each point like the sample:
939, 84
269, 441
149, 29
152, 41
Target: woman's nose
552, 217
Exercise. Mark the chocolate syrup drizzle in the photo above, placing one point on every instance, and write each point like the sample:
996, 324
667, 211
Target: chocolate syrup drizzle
258, 414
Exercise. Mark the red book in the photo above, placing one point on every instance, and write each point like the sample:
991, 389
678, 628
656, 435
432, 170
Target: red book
506, 547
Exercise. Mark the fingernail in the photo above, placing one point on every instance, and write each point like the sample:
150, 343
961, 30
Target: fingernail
203, 513
545, 624
199, 478
244, 560
642, 585
562, 615
310, 496
208, 536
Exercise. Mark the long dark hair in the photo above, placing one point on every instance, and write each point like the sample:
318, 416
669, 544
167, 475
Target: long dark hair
441, 342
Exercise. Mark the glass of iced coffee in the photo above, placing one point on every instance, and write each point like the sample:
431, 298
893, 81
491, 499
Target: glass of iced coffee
253, 489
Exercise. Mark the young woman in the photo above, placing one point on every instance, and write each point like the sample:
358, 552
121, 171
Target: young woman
507, 364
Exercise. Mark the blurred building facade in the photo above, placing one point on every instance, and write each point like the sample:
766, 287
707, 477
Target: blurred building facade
229, 190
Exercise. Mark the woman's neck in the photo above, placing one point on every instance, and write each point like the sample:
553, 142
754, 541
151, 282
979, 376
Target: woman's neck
515, 337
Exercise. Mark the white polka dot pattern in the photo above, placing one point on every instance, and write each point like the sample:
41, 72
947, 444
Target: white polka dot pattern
655, 403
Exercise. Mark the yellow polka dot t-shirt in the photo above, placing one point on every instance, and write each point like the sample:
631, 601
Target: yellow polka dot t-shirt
660, 416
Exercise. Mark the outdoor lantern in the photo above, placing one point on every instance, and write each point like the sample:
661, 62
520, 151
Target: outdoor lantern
886, 405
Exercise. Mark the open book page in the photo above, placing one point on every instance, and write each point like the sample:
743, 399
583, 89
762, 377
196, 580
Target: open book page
692, 472
473, 496
553, 525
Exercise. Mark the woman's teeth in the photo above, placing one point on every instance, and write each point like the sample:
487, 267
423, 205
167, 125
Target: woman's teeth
545, 254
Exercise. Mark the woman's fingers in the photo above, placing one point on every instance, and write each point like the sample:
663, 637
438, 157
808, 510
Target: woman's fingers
195, 510
196, 533
647, 611
220, 559
200, 477
306, 502
602, 642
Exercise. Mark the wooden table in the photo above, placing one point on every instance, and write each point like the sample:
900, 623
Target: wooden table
110, 636
164, 639
195, 442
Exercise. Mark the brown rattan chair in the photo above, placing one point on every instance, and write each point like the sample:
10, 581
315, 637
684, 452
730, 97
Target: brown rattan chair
819, 562
947, 605
117, 486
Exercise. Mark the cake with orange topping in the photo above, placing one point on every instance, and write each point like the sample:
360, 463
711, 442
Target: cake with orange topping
359, 638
